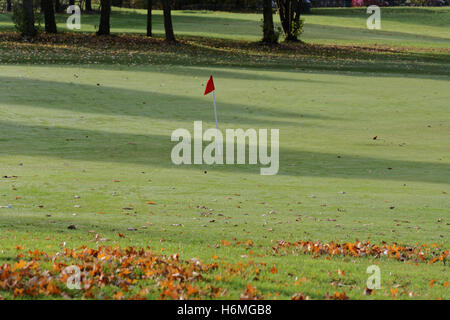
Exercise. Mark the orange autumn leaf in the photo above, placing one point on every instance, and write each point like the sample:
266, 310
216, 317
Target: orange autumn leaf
431, 283
18, 292
273, 270
118, 296
52, 289
215, 257
337, 296
143, 292
300, 296
300, 281
249, 243
251, 293
191, 290
19, 265
433, 260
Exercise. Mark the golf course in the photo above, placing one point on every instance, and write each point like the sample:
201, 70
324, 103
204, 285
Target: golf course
86, 176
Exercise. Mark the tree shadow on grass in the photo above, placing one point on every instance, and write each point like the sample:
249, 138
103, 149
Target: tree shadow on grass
250, 72
154, 151
202, 72
129, 102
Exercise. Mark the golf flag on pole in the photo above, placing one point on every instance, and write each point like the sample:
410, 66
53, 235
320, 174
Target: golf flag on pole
210, 86
210, 89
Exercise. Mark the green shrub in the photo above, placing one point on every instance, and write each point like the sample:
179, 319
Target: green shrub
418, 3
297, 27
20, 19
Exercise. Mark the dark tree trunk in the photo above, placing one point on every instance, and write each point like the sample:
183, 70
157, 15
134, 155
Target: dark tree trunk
238, 5
149, 17
105, 13
8, 5
30, 30
88, 6
170, 37
268, 28
289, 11
58, 7
49, 15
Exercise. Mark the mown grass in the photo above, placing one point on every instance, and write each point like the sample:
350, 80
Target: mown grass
90, 117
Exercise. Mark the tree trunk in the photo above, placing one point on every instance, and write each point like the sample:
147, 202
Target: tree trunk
30, 30
170, 37
58, 7
49, 15
268, 28
105, 13
239, 5
289, 11
88, 6
8, 5
149, 17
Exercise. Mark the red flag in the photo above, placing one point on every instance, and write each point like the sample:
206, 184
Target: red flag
210, 86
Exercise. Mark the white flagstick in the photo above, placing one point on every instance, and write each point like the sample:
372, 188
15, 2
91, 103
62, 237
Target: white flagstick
217, 125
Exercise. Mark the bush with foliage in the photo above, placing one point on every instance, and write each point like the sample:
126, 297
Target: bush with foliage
20, 19
297, 27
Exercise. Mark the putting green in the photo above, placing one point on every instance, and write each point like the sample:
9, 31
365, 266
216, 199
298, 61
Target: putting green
103, 133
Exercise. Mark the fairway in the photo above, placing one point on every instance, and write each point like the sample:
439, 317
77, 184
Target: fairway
364, 150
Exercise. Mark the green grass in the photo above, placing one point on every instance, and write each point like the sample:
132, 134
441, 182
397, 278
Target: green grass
72, 128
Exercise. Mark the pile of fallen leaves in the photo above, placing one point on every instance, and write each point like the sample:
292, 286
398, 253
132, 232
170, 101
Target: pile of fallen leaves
423, 253
128, 49
37, 273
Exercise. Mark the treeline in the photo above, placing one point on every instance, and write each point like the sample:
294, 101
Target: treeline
221, 5
25, 11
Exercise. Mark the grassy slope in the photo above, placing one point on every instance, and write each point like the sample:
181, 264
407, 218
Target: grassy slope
74, 137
